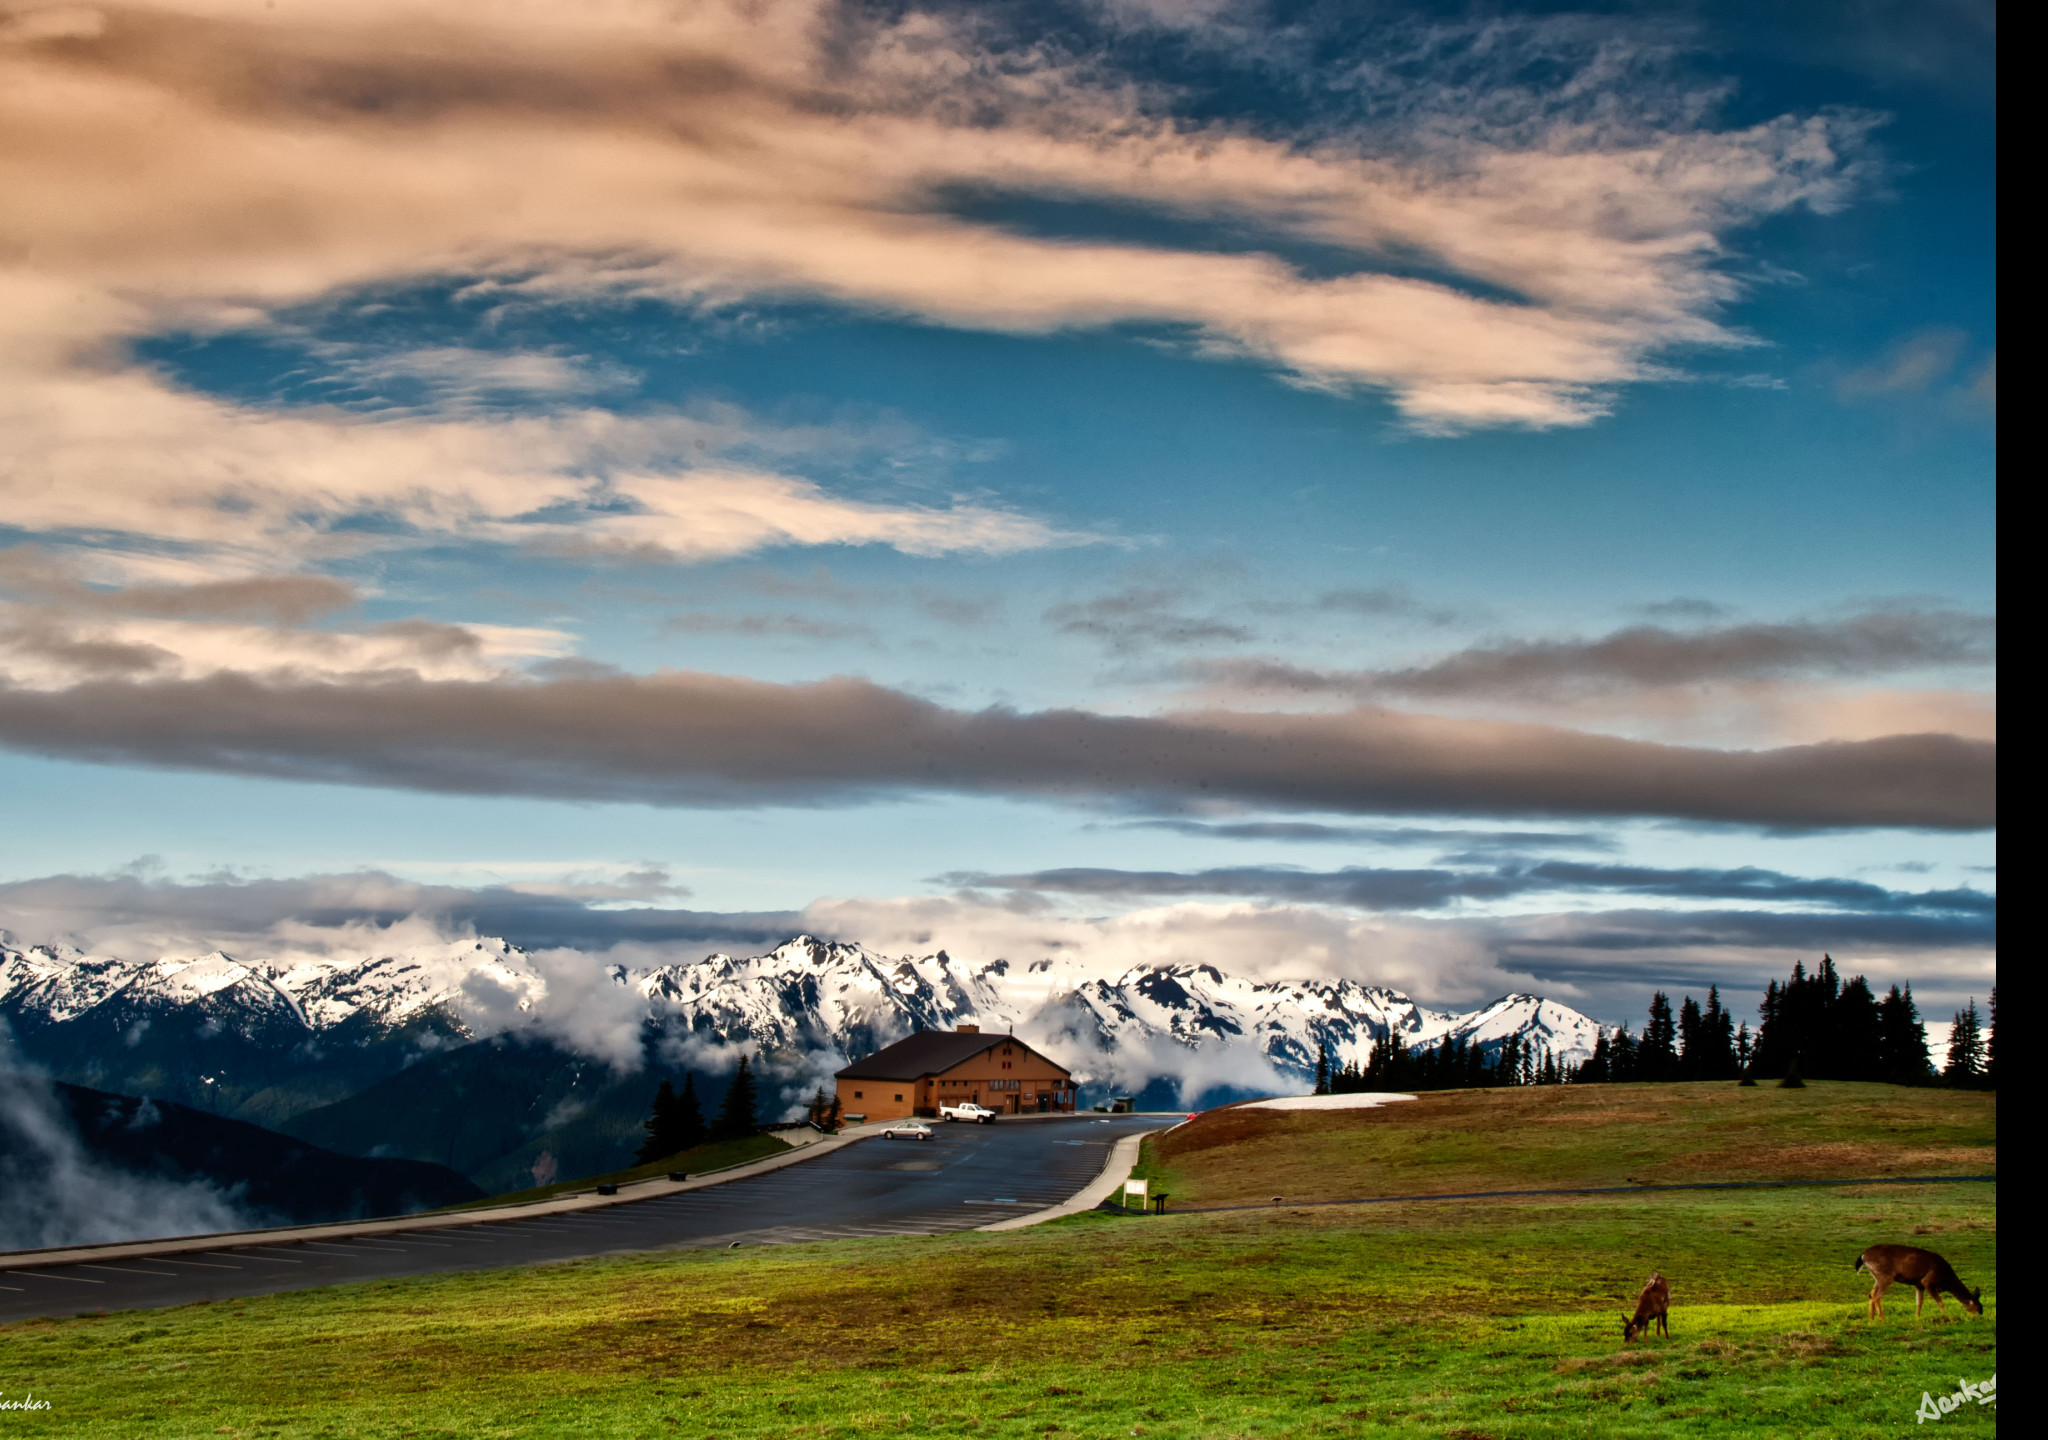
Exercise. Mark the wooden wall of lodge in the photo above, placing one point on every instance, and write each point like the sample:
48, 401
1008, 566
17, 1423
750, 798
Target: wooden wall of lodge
975, 1079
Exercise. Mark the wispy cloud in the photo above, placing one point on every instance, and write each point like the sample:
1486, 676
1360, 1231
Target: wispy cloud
801, 148
1141, 618
761, 626
1646, 657
1309, 832
1966, 914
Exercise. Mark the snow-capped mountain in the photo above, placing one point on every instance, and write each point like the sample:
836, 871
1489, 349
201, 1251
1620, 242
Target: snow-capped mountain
808, 1001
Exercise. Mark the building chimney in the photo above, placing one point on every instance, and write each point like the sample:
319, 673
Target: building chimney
967, 1029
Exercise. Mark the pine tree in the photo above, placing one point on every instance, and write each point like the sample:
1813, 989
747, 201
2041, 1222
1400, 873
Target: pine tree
1717, 1039
1598, 1067
1965, 1048
1764, 1055
1745, 1051
1322, 1067
1622, 1056
1657, 1053
660, 1126
736, 1119
1902, 1040
1691, 1050
690, 1128
1991, 1044
1854, 1047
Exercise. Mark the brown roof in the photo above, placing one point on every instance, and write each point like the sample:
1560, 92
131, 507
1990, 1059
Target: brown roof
927, 1053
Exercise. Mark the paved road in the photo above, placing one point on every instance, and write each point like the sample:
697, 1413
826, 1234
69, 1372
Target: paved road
970, 1175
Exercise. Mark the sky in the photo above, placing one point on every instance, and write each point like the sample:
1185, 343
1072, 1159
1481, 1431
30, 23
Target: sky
1466, 497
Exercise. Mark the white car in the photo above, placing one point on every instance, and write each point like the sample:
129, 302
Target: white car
907, 1130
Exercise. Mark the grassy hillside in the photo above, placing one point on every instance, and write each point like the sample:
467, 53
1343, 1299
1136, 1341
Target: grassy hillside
1562, 1135
1472, 1319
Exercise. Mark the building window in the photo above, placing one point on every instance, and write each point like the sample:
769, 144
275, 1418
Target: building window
899, 1097
856, 1094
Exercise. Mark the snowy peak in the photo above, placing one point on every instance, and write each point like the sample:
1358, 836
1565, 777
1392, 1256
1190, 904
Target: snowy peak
806, 999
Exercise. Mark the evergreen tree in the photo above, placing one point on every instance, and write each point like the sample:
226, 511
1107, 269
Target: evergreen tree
1854, 1047
1657, 1053
1745, 1050
1792, 1080
1691, 1050
690, 1128
1717, 1039
736, 1119
1965, 1048
660, 1126
1991, 1043
1901, 1040
1598, 1068
1821, 1045
1765, 1057
1322, 1067
1621, 1057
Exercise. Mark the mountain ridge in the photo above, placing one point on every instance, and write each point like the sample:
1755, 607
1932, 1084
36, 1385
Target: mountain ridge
810, 1001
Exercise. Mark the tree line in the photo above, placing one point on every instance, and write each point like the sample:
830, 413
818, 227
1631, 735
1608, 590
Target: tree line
675, 1119
1816, 1026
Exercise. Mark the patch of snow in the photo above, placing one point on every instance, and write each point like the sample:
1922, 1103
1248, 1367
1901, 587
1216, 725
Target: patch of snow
1325, 1102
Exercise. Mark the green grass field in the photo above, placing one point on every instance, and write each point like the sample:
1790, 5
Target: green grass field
1564, 1135
1449, 1318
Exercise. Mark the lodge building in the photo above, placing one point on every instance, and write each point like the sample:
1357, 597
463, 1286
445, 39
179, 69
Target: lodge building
921, 1072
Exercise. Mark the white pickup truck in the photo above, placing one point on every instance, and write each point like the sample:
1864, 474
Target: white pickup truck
967, 1110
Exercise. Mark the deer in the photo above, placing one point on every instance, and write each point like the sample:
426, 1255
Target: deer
1924, 1270
1652, 1306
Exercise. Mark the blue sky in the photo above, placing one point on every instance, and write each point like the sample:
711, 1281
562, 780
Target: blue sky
857, 468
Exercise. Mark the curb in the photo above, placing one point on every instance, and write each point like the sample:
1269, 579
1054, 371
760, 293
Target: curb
1122, 1156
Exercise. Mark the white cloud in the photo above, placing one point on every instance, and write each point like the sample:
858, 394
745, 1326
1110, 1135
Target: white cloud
194, 162
1436, 962
123, 458
49, 648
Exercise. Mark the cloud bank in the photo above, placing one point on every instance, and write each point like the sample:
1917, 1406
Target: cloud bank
692, 739
1565, 937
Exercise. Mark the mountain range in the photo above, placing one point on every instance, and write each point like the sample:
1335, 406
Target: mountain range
492, 1060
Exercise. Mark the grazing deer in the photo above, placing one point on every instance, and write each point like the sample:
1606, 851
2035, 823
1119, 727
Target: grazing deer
1924, 1270
1654, 1304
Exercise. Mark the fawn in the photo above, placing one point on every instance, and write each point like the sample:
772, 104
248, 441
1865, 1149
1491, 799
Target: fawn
1654, 1304
1924, 1270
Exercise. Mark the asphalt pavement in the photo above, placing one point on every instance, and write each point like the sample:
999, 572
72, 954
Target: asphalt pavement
965, 1177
